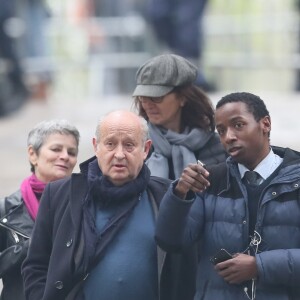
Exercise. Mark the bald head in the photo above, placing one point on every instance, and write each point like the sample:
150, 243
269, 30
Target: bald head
123, 119
121, 145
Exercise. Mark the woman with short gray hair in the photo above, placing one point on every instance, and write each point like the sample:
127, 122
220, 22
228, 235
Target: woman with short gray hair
52, 148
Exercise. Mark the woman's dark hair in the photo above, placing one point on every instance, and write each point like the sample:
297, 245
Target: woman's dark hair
198, 111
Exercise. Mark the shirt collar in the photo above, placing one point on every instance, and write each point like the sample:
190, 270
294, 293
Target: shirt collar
266, 167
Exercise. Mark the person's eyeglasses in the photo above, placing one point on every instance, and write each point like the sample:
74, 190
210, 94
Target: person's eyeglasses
152, 99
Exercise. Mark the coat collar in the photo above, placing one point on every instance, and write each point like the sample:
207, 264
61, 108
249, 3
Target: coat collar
78, 192
84, 166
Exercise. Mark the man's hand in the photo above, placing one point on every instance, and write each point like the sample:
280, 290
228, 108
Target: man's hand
240, 268
192, 178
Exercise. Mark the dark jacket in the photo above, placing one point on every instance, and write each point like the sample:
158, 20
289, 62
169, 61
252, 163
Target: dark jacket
213, 152
219, 217
15, 223
51, 269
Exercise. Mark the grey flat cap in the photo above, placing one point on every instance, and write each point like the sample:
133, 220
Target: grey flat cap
159, 75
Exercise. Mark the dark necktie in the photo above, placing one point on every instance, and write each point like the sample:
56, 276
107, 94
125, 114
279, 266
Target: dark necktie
253, 178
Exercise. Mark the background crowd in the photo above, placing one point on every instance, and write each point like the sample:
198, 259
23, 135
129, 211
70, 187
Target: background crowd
46, 46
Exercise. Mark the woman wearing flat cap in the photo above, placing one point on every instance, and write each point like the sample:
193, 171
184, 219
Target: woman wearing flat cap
180, 116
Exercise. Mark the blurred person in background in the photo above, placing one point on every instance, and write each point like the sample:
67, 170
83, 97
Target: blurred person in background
112, 27
177, 25
35, 47
13, 91
180, 116
52, 152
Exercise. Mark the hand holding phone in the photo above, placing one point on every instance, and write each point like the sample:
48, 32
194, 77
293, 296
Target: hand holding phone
220, 256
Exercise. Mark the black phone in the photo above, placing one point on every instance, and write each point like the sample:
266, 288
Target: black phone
220, 256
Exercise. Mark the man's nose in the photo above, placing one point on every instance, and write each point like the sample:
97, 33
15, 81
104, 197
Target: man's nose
230, 135
119, 152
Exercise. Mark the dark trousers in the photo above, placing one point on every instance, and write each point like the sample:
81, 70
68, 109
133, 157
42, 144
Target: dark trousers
178, 24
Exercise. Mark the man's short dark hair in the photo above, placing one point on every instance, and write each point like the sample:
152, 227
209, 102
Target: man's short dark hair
255, 104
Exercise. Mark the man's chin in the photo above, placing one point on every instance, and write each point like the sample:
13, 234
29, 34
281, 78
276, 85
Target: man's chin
119, 181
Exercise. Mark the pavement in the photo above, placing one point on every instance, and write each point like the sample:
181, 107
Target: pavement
283, 107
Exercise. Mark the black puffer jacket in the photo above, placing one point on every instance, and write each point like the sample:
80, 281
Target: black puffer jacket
15, 229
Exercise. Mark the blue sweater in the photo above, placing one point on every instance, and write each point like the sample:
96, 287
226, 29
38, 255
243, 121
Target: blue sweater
130, 263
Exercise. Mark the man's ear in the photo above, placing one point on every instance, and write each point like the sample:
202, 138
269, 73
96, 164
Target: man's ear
266, 124
147, 147
95, 145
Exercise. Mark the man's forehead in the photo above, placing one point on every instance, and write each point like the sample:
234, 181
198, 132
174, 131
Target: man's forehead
233, 111
113, 130
119, 133
238, 107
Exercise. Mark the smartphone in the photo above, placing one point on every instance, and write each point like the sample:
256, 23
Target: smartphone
220, 256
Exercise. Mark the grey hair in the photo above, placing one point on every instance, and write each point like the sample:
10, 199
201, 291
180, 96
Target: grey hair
144, 128
41, 131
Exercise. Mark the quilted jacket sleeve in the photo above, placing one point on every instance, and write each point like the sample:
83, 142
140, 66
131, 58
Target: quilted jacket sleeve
279, 267
177, 227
